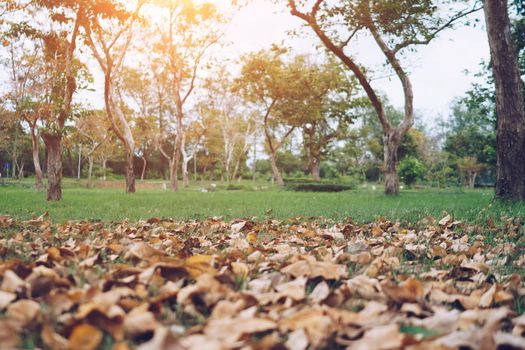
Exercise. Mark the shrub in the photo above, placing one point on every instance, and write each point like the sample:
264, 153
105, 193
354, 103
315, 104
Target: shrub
307, 185
410, 170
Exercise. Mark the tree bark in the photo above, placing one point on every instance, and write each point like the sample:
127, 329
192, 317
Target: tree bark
130, 171
510, 111
276, 173
144, 165
185, 177
104, 167
90, 171
177, 152
39, 183
392, 140
315, 169
54, 166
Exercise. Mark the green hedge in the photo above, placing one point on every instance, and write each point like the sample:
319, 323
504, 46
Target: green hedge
318, 187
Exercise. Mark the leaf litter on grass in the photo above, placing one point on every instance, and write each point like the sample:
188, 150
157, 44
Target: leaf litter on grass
295, 284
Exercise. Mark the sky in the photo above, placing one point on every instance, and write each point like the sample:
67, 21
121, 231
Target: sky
438, 71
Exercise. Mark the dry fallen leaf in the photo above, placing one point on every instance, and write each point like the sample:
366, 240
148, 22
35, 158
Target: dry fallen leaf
85, 337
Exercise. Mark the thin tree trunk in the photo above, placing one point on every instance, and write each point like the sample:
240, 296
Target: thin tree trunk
195, 166
54, 166
391, 145
276, 173
185, 178
510, 110
21, 170
130, 171
236, 168
254, 168
104, 168
173, 176
39, 183
177, 152
90, 171
144, 165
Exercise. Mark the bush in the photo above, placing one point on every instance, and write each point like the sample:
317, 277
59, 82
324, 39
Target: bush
410, 170
238, 187
307, 185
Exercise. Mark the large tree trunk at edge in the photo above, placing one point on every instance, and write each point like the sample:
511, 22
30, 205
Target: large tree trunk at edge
510, 140
276, 173
391, 141
39, 184
130, 171
54, 166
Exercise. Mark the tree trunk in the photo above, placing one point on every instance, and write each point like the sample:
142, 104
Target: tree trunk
185, 177
90, 171
173, 176
472, 179
39, 184
510, 111
276, 173
315, 169
144, 164
195, 166
21, 170
177, 152
104, 167
254, 167
54, 166
130, 171
236, 168
314, 162
391, 145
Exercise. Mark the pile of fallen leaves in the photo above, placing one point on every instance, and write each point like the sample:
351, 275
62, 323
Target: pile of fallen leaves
293, 284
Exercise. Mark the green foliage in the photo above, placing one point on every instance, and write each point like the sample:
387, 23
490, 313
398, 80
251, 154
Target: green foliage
410, 170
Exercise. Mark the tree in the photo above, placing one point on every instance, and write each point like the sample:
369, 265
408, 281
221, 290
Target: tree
277, 89
331, 98
469, 169
411, 169
231, 118
28, 92
180, 49
93, 128
109, 40
191, 141
395, 26
510, 108
471, 134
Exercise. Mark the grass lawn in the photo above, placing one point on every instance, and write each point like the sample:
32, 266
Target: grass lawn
79, 203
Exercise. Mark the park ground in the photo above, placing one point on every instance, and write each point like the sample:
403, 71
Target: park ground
251, 200
205, 268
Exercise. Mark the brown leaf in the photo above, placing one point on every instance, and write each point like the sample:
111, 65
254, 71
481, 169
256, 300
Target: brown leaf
23, 312
139, 321
11, 282
380, 338
410, 291
85, 337
312, 269
197, 265
6, 298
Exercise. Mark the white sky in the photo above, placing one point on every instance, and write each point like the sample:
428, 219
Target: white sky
437, 70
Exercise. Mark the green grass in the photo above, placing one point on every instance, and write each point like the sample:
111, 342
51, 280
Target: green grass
79, 203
